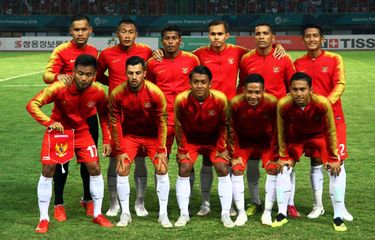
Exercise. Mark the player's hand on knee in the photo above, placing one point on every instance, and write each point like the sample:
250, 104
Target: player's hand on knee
56, 126
333, 168
236, 161
67, 79
120, 158
283, 163
158, 54
224, 155
107, 150
181, 156
163, 159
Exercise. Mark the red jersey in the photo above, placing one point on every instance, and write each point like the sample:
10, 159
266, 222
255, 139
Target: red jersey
327, 72
224, 66
114, 59
62, 59
202, 123
315, 120
249, 125
141, 113
71, 107
172, 77
276, 72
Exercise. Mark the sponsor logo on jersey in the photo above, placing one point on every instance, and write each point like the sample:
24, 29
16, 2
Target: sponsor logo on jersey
231, 60
91, 104
185, 70
208, 61
117, 60
324, 69
147, 104
61, 149
161, 71
276, 69
211, 113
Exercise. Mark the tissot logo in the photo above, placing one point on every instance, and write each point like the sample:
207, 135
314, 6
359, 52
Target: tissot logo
333, 43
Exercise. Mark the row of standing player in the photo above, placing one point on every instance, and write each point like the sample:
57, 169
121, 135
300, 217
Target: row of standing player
223, 59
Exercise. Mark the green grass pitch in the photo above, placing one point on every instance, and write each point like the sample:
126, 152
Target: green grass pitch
20, 138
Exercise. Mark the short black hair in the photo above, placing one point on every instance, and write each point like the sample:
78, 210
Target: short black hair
254, 78
171, 28
219, 22
79, 17
312, 26
85, 60
266, 24
134, 61
301, 76
200, 69
126, 21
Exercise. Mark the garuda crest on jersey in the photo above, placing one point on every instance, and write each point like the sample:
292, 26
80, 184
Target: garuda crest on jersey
324, 69
185, 70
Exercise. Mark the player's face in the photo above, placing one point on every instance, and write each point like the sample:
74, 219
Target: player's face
80, 31
126, 33
253, 93
200, 86
300, 91
312, 39
171, 42
264, 37
84, 76
218, 36
136, 75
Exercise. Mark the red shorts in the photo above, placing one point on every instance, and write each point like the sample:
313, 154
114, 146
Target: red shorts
132, 144
255, 152
84, 148
312, 147
170, 138
341, 140
206, 150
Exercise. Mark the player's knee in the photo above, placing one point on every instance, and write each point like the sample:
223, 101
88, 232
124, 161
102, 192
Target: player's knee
185, 170
315, 161
272, 168
237, 172
221, 169
48, 170
124, 170
93, 168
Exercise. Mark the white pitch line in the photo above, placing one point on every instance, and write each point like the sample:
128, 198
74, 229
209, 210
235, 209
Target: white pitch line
24, 85
18, 76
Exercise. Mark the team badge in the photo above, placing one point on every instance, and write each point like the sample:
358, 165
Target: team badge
91, 104
230, 60
147, 104
211, 113
185, 70
276, 69
324, 69
61, 149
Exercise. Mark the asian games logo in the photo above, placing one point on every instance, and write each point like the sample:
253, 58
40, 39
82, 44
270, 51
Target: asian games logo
185, 70
61, 149
230, 60
324, 69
